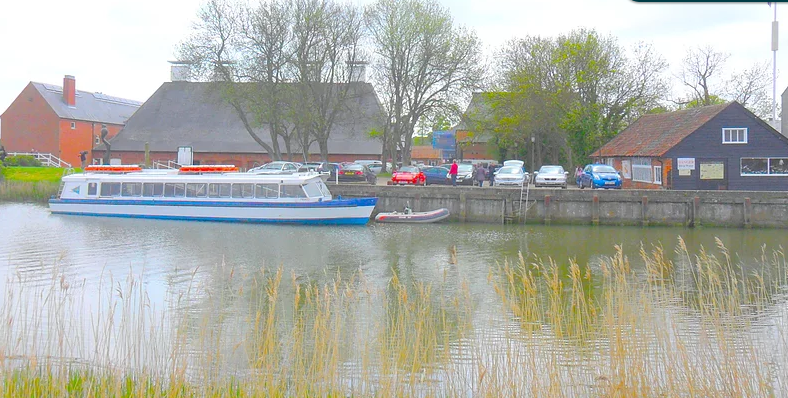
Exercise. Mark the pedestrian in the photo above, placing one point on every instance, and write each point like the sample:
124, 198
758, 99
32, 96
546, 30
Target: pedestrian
491, 174
83, 157
481, 175
453, 172
578, 175
2, 153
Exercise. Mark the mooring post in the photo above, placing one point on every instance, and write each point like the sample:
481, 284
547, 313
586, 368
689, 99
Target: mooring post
644, 209
747, 213
696, 211
595, 210
547, 209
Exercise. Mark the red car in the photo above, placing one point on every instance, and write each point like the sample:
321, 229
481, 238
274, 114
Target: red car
407, 175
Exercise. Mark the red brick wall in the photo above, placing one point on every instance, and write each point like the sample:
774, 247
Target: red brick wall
29, 123
80, 138
627, 183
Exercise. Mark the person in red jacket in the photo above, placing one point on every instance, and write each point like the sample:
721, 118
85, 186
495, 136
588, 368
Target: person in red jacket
453, 172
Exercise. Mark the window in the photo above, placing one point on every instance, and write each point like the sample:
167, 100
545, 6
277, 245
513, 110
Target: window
609, 162
734, 136
291, 191
658, 175
266, 191
641, 170
219, 190
97, 140
73, 125
132, 189
173, 190
92, 188
243, 190
312, 191
196, 190
764, 166
110, 189
152, 189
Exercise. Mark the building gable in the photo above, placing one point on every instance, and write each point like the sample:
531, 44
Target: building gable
30, 124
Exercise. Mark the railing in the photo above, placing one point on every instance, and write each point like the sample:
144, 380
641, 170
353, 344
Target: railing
171, 164
46, 159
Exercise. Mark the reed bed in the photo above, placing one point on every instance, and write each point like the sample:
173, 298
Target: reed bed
26, 191
684, 324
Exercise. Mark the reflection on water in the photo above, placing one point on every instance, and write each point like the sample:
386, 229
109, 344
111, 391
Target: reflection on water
194, 268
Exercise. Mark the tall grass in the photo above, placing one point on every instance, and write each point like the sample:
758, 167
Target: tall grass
19, 191
698, 325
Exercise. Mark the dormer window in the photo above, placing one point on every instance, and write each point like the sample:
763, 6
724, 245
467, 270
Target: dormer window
734, 135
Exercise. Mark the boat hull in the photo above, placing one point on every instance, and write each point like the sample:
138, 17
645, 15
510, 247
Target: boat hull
331, 212
417, 217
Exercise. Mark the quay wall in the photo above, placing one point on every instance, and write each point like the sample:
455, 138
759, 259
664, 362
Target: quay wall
572, 206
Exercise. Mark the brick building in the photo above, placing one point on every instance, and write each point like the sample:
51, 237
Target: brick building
62, 121
194, 117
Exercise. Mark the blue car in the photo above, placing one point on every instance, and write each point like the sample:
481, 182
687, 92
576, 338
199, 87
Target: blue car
600, 176
436, 175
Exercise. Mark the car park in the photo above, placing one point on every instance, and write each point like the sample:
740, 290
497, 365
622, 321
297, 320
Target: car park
600, 176
551, 176
374, 165
464, 173
408, 175
510, 176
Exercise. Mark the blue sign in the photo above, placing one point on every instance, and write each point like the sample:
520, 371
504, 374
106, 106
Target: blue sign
445, 140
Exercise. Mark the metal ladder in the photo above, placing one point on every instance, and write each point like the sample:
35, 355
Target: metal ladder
524, 190
66, 172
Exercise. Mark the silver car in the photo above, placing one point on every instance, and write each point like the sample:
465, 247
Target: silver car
550, 176
277, 167
510, 175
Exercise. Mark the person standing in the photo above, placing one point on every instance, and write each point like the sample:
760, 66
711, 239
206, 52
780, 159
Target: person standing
578, 175
83, 157
481, 175
453, 172
491, 174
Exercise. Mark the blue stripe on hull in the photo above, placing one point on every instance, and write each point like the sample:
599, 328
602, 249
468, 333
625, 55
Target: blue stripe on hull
319, 221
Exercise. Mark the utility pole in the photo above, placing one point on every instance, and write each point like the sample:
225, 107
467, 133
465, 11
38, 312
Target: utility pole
774, 66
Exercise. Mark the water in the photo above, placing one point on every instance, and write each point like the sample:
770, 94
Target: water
171, 258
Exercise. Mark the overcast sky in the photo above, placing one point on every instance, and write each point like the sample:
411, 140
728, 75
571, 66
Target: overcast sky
121, 48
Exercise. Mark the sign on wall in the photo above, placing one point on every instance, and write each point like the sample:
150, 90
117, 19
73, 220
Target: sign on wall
712, 171
626, 167
685, 163
445, 140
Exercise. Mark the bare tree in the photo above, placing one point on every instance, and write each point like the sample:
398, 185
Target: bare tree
425, 65
750, 88
699, 69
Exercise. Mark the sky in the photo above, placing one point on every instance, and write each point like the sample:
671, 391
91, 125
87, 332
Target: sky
121, 47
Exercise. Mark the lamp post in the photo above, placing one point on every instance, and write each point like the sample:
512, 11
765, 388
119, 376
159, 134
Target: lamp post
533, 146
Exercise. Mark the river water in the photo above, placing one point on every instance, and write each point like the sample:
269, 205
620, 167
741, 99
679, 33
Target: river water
169, 258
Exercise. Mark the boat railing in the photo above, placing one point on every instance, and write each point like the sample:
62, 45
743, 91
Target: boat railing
46, 159
170, 164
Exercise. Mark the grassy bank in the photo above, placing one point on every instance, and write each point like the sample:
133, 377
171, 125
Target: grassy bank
698, 327
29, 184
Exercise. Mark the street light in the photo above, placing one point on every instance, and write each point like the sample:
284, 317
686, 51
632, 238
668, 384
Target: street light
533, 145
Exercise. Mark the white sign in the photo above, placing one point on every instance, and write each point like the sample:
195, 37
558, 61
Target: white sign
626, 167
685, 163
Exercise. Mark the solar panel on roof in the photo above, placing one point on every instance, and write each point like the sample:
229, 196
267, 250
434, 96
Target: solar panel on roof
117, 100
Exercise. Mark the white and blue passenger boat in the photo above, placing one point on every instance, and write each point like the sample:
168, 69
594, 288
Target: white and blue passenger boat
206, 193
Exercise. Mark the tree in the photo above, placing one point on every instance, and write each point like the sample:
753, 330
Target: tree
699, 68
425, 65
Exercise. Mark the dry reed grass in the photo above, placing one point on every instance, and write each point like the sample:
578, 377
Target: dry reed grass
700, 326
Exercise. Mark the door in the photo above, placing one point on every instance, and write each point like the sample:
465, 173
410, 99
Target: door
713, 174
185, 156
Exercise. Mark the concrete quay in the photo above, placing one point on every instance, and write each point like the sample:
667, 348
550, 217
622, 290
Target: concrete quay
590, 207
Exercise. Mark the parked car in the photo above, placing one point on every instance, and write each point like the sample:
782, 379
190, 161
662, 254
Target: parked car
313, 166
464, 173
277, 167
551, 176
435, 175
408, 175
354, 172
600, 176
375, 165
510, 176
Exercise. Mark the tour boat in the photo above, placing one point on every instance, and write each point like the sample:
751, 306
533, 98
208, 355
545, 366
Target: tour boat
206, 193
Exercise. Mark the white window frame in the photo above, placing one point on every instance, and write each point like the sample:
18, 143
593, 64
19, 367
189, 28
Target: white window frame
658, 175
73, 125
641, 167
741, 135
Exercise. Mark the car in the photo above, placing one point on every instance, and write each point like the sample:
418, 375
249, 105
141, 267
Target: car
354, 172
436, 175
313, 166
510, 176
600, 176
464, 173
408, 175
375, 165
277, 167
551, 176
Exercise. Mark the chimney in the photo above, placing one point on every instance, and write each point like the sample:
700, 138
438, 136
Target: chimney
357, 70
180, 71
70, 91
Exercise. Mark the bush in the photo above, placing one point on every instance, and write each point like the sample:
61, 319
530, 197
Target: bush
22, 160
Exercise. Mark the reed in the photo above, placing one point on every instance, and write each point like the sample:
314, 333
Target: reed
697, 324
18, 191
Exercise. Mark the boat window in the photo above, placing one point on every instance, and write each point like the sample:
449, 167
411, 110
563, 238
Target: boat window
323, 188
291, 191
174, 190
268, 191
132, 189
243, 190
312, 190
110, 189
92, 188
152, 189
196, 190
219, 190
